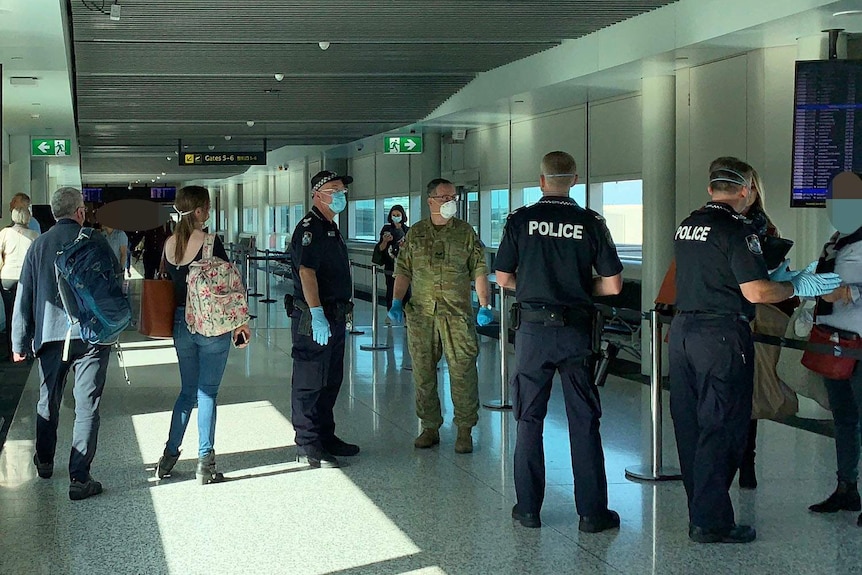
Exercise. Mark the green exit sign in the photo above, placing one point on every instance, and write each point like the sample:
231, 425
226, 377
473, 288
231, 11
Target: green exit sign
402, 145
50, 147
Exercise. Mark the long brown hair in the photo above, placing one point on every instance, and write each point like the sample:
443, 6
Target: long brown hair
189, 199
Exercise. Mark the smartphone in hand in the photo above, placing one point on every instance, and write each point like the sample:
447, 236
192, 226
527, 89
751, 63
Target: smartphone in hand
239, 339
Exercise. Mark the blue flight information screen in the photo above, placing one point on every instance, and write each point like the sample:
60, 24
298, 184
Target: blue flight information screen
827, 127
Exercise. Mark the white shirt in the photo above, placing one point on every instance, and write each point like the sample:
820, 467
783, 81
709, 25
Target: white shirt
14, 243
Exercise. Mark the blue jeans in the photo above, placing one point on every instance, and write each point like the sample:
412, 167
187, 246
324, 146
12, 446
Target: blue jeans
202, 362
845, 398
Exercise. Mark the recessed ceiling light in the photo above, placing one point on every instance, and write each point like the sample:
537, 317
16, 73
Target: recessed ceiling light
158, 177
34, 116
846, 13
168, 158
153, 180
250, 123
228, 137
163, 173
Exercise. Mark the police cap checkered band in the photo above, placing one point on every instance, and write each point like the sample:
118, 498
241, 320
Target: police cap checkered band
324, 177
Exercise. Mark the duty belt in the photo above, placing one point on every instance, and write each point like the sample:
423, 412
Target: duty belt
712, 315
555, 315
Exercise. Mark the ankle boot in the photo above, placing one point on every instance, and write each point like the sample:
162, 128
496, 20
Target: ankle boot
426, 439
845, 498
207, 472
464, 441
166, 463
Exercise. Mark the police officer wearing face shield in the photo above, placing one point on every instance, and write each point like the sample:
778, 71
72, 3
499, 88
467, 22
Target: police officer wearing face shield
720, 275
547, 255
319, 308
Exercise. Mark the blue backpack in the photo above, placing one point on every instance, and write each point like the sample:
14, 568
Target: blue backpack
90, 289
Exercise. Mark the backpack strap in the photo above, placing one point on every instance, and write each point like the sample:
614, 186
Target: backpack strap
209, 241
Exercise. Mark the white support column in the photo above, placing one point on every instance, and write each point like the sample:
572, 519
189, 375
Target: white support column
658, 97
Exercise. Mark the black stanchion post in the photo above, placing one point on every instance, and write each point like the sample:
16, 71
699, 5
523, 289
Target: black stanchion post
351, 327
374, 345
655, 471
268, 299
503, 403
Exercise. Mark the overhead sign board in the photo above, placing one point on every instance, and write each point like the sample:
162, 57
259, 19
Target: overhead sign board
402, 145
50, 147
223, 159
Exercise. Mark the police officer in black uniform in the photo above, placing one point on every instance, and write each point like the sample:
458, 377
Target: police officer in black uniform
547, 255
720, 275
318, 310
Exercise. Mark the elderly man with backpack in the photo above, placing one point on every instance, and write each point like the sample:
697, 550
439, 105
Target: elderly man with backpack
42, 325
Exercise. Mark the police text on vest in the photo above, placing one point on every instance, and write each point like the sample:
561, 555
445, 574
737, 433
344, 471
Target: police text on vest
556, 230
694, 233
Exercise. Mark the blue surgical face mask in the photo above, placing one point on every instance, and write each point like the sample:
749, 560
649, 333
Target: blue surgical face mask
396, 219
338, 203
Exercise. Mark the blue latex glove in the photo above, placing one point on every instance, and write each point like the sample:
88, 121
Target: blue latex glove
485, 316
807, 284
396, 312
319, 326
785, 274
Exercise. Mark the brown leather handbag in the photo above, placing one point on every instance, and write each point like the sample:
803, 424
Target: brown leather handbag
158, 305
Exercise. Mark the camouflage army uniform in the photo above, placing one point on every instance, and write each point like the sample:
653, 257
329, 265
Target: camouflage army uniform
441, 264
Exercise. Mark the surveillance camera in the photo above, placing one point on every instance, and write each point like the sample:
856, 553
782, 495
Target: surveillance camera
323, 45
359, 147
279, 77
412, 131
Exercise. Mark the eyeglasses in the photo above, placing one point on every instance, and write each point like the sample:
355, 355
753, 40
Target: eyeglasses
445, 199
345, 190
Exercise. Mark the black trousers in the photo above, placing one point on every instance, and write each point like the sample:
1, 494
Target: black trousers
90, 363
317, 374
539, 353
8, 290
711, 386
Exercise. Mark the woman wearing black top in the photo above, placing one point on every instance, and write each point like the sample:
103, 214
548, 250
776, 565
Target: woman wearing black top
386, 251
202, 359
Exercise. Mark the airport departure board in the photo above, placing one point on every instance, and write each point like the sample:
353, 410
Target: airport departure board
827, 127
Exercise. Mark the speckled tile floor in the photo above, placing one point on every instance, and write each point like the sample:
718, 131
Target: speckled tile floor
392, 510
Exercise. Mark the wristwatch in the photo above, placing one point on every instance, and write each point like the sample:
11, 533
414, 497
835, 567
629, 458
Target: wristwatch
489, 306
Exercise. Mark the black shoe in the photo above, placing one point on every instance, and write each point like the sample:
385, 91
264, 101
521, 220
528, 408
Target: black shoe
316, 457
81, 490
45, 470
747, 477
735, 534
530, 520
845, 498
336, 446
610, 519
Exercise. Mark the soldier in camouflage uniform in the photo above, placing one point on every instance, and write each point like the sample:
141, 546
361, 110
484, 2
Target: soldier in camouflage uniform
440, 258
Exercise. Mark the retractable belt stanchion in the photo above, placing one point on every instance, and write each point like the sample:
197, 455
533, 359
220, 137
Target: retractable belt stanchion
504, 402
374, 345
268, 299
655, 471
351, 327
245, 255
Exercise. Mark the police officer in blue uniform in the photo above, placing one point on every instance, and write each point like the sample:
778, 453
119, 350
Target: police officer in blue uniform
720, 275
319, 309
547, 255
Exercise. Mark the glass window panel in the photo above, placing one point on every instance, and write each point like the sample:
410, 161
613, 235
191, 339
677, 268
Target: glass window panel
473, 215
499, 212
622, 207
362, 217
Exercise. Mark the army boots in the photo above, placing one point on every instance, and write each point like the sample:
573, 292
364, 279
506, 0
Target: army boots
464, 441
428, 438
